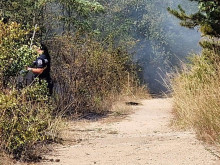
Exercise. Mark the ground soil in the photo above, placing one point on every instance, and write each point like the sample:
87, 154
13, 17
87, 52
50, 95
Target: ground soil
144, 137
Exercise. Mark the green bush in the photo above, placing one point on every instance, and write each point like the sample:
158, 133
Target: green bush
14, 53
24, 57
25, 120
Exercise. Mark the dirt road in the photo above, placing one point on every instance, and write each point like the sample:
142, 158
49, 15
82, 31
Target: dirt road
142, 138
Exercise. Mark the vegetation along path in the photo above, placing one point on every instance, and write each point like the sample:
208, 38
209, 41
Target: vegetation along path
142, 138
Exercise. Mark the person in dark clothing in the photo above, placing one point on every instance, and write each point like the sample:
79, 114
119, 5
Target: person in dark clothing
42, 67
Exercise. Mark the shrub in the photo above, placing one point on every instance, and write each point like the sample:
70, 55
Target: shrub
26, 115
14, 54
25, 120
86, 74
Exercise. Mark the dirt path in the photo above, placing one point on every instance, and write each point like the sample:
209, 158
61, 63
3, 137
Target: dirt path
143, 138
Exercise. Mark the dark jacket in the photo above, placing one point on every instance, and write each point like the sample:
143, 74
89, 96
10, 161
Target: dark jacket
41, 62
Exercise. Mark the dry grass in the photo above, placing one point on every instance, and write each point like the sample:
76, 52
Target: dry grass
196, 94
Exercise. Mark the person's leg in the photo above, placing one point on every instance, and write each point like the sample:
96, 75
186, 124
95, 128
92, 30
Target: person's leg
29, 78
50, 85
24, 79
20, 82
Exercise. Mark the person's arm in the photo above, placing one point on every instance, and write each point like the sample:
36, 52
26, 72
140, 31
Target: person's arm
40, 66
36, 70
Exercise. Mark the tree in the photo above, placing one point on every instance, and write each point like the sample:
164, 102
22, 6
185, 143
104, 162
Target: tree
207, 18
74, 15
26, 12
62, 15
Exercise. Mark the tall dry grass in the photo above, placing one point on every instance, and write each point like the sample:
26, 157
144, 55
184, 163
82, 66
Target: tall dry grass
196, 93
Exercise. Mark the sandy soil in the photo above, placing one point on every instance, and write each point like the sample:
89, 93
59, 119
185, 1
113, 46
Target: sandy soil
142, 138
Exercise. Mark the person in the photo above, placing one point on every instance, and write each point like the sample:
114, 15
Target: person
41, 67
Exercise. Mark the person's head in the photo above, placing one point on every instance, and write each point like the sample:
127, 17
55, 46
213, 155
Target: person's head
42, 49
39, 51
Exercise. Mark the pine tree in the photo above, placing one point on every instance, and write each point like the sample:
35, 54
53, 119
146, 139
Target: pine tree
207, 19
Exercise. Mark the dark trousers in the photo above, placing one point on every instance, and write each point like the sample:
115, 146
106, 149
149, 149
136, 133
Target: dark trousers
26, 79
49, 83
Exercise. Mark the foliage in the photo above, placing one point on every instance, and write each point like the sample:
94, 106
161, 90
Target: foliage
49, 14
71, 16
207, 18
25, 120
27, 12
13, 54
24, 57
